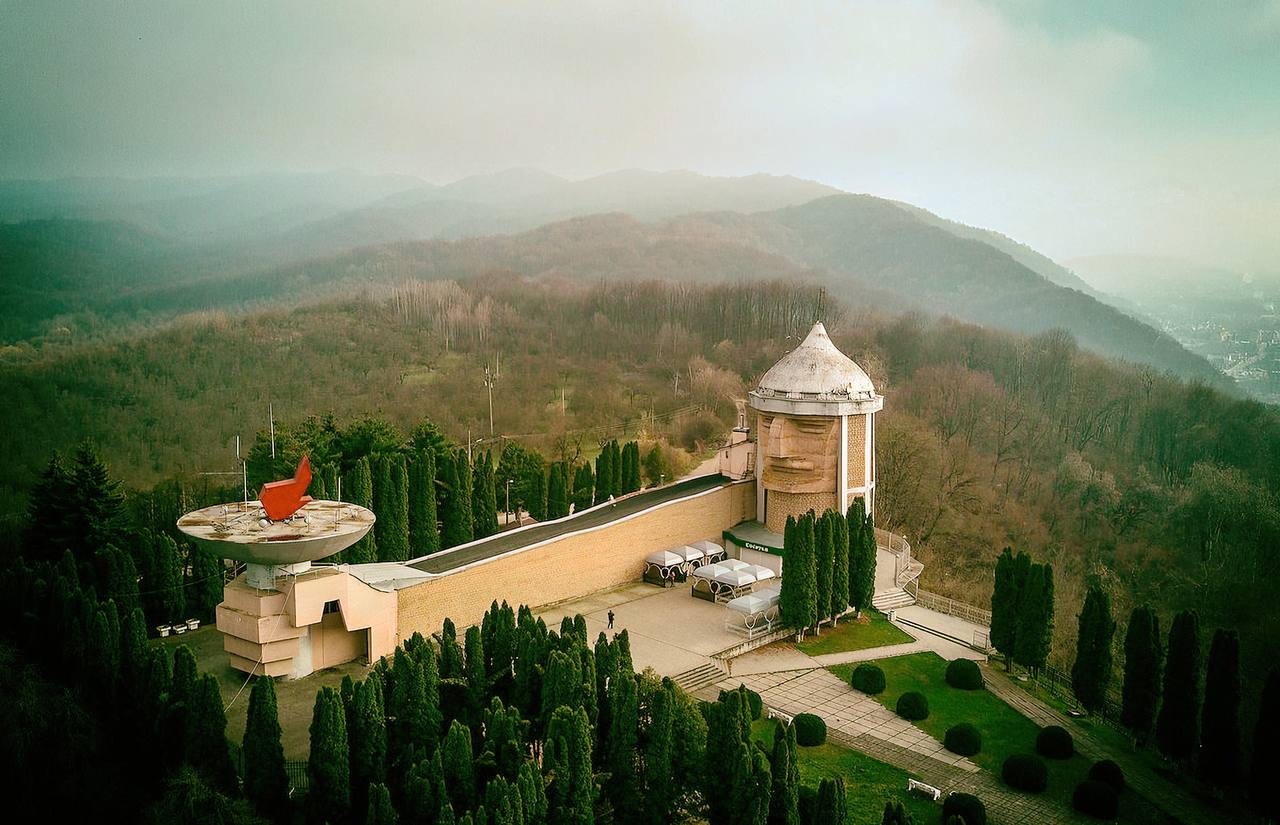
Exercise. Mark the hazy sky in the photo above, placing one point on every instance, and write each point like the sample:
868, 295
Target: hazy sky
1077, 127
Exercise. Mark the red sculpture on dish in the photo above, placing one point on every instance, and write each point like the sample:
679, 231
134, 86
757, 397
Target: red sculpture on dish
282, 499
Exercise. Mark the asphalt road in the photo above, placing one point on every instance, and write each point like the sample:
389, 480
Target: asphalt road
514, 540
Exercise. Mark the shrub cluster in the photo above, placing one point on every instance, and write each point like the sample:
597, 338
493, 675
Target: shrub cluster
964, 674
755, 704
868, 678
1055, 743
1097, 799
913, 706
963, 739
1025, 773
810, 729
1108, 772
966, 806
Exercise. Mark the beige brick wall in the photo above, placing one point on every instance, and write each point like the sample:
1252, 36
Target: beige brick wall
574, 565
857, 450
780, 505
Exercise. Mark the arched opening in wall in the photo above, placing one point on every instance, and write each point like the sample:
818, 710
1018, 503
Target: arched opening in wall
332, 643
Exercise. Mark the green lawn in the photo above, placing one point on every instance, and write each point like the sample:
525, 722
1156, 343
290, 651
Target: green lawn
1004, 730
868, 782
871, 630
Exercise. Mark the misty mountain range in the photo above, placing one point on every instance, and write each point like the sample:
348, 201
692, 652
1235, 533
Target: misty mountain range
106, 251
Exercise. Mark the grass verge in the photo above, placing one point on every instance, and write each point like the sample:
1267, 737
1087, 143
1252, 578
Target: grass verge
872, 629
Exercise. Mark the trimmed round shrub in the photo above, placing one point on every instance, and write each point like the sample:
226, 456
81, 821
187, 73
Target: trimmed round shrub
1025, 773
1055, 743
913, 706
810, 729
867, 678
966, 806
964, 674
963, 739
1097, 799
1109, 773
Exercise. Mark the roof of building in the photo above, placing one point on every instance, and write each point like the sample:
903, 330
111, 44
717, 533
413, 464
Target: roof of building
816, 369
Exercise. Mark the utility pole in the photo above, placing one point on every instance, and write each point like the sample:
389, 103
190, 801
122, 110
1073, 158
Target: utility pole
508, 501
488, 382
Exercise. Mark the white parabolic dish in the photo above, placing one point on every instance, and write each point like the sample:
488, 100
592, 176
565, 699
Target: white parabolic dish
235, 531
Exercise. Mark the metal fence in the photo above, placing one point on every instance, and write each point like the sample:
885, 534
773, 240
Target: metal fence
1058, 683
299, 781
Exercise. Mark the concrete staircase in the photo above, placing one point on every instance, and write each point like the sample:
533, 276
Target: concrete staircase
887, 600
694, 680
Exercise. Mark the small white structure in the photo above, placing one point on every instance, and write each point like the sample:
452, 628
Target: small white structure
752, 614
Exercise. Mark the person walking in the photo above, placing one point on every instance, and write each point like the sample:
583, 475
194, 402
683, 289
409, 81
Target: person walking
611, 620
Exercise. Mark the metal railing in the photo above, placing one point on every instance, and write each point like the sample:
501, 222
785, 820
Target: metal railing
951, 607
901, 550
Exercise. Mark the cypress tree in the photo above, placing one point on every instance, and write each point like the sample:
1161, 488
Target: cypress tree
869, 559
455, 502
1220, 724
383, 508
450, 653
1004, 606
424, 790
1266, 758
659, 756
424, 533
1142, 665
557, 492
380, 811
1030, 619
1044, 641
328, 770
631, 478
567, 761
1091, 673
789, 595
583, 487
393, 514
361, 493
824, 561
604, 475
831, 807
367, 740
624, 723
466, 505
265, 781
206, 735
171, 601
204, 590
484, 497
1177, 725
784, 799
840, 565
456, 759
477, 674
854, 517
615, 465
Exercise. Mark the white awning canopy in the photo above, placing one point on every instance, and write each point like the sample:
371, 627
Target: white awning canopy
689, 552
735, 564
749, 604
760, 573
709, 571
664, 558
708, 547
735, 578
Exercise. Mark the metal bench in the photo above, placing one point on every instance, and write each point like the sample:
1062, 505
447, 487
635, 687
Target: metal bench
914, 786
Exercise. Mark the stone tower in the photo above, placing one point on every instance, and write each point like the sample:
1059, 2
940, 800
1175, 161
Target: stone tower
815, 433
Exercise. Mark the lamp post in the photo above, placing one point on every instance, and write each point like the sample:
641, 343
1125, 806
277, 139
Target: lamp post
509, 504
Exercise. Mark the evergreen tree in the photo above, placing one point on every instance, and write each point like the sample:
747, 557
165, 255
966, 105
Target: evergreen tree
840, 565
206, 735
1091, 673
784, 799
1142, 666
631, 478
51, 517
654, 467
1266, 758
535, 485
455, 500
659, 764
456, 759
1177, 725
562, 685
166, 581
384, 508
1004, 606
360, 491
869, 559
380, 811
583, 487
615, 465
424, 790
832, 805
450, 653
484, 497
477, 675
98, 506
604, 475
896, 814
799, 562
621, 759
567, 763
367, 740
424, 533
204, 590
328, 770
824, 561
557, 492
1031, 613
265, 781
393, 542
1220, 724
466, 504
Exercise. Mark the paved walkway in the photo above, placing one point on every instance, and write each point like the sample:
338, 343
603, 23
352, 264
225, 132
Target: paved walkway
1157, 790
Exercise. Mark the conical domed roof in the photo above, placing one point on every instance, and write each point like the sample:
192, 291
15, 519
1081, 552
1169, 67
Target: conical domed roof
817, 370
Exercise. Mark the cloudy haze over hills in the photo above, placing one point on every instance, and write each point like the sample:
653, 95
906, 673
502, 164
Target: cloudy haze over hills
1079, 129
